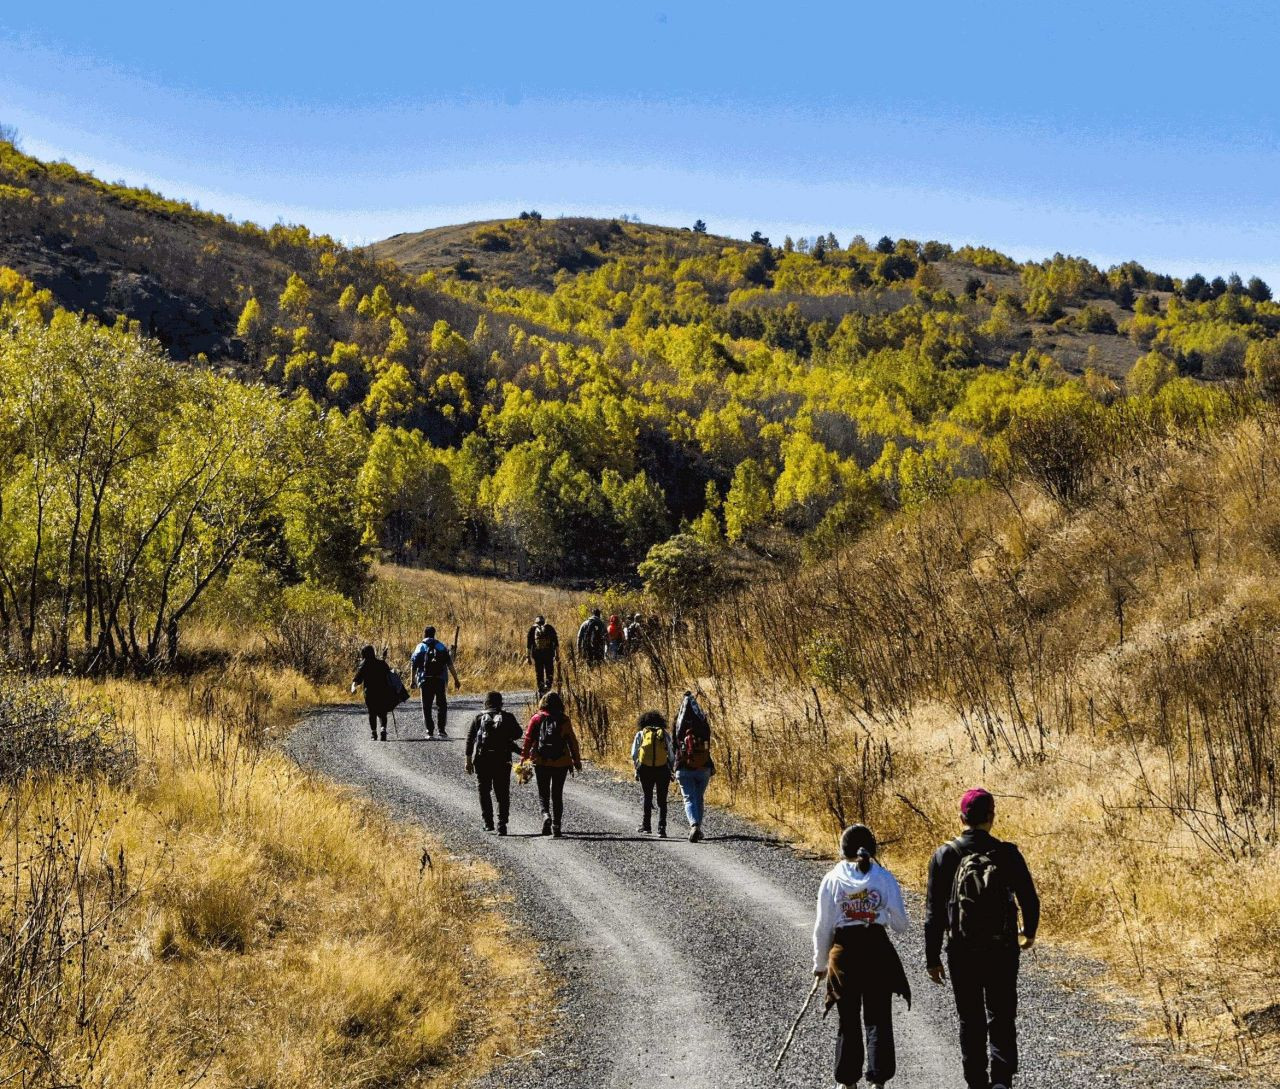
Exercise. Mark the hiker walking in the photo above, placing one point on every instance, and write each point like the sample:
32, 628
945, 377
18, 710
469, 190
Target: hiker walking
856, 901
693, 763
977, 885
652, 753
493, 739
543, 644
552, 746
614, 636
432, 663
591, 639
633, 635
375, 675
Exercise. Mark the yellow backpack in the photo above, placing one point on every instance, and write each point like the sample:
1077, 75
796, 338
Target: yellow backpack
653, 748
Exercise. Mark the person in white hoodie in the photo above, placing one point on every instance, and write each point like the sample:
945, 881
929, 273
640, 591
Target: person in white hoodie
856, 901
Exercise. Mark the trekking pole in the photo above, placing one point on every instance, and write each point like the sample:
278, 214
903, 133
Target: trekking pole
796, 1023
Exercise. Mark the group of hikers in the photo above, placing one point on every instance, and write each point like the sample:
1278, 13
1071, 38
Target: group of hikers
547, 745
978, 886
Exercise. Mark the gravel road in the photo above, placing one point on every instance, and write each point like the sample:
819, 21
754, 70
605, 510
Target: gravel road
683, 964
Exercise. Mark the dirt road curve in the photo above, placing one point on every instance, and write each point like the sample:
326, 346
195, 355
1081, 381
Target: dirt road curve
684, 963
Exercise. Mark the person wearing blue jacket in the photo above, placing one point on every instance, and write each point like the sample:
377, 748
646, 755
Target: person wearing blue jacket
653, 753
432, 663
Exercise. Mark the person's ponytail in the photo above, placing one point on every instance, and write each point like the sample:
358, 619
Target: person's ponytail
858, 845
864, 860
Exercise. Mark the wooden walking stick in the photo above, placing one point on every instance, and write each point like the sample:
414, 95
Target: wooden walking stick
796, 1023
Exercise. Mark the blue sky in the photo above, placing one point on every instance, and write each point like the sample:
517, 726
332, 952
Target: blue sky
1117, 130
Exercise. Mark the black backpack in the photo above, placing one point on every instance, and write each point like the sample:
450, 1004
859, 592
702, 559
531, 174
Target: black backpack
981, 909
489, 736
551, 743
432, 660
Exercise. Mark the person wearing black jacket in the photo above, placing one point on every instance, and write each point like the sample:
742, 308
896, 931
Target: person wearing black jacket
983, 966
494, 737
375, 675
542, 644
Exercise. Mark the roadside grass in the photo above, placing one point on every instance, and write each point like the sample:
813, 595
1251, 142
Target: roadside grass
218, 916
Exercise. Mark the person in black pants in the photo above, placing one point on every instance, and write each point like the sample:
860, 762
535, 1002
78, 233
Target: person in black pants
375, 675
542, 644
652, 753
552, 746
493, 739
432, 663
977, 885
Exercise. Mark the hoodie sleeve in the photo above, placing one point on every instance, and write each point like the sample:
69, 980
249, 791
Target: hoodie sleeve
530, 738
472, 733
895, 908
824, 925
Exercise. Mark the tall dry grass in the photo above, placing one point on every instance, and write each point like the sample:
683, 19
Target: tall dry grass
1110, 671
217, 916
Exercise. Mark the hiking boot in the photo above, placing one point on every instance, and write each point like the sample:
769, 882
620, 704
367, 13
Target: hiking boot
502, 829
384, 736
373, 735
546, 826
444, 735
695, 833
556, 833
662, 831
488, 826
645, 829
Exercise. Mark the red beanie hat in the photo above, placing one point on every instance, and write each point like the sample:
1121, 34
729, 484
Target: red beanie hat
977, 806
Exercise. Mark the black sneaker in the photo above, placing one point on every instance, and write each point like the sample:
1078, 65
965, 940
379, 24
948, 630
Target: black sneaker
556, 833
502, 829
384, 736
443, 735
645, 829
488, 827
546, 826
662, 831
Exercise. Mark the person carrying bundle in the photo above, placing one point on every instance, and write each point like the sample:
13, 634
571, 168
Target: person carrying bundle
493, 739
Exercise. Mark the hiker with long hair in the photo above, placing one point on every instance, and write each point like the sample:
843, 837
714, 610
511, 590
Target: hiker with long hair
552, 746
653, 753
857, 899
977, 886
693, 763
375, 675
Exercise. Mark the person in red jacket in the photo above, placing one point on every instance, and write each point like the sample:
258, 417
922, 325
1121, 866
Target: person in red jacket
552, 746
614, 636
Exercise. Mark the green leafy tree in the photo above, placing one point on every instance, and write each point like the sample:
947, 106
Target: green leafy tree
682, 572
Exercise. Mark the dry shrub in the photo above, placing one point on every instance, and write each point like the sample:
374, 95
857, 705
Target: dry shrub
233, 920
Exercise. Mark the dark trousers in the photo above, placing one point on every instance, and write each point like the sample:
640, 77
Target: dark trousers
551, 791
433, 689
544, 667
985, 982
376, 719
494, 779
655, 781
865, 1006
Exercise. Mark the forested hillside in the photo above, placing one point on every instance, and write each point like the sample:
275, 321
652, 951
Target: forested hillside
561, 396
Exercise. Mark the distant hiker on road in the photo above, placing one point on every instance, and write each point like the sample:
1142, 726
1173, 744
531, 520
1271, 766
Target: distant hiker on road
977, 884
549, 741
653, 753
432, 663
851, 948
493, 739
375, 675
591, 639
614, 636
543, 644
694, 766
